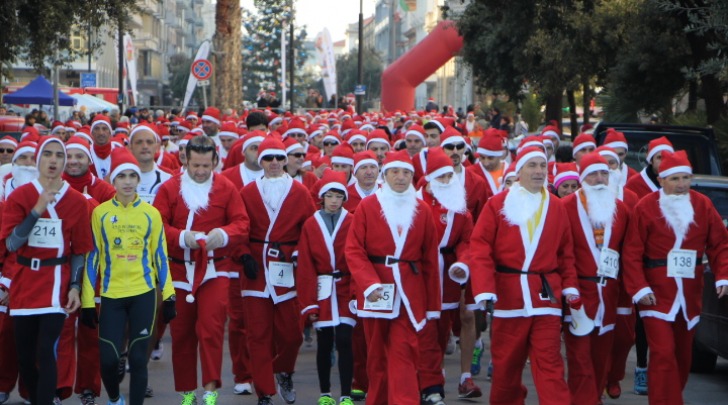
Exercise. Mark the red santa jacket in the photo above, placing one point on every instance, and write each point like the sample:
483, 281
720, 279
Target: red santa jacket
490, 182
274, 236
417, 289
641, 184
167, 161
550, 252
44, 290
322, 275
98, 189
238, 176
600, 301
453, 236
475, 192
225, 210
651, 238
356, 194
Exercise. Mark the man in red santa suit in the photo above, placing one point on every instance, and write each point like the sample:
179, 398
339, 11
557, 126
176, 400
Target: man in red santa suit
378, 142
296, 156
617, 141
414, 138
342, 160
143, 144
475, 187
205, 223
101, 148
522, 258
78, 171
670, 232
490, 165
279, 206
583, 144
366, 172
598, 223
244, 173
392, 254
446, 198
647, 181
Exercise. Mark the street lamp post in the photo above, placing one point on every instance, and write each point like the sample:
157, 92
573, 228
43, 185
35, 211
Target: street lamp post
292, 64
360, 61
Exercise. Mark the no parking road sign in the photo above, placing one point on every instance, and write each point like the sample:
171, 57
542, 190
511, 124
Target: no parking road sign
201, 69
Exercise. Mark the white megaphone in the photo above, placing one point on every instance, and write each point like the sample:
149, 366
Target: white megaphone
581, 324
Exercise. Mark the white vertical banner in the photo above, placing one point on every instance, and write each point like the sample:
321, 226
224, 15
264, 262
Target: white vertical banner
131, 67
283, 67
202, 52
327, 61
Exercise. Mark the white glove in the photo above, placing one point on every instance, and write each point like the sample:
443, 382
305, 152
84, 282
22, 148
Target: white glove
215, 239
191, 240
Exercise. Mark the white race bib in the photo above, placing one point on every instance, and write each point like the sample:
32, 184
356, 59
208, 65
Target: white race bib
47, 233
281, 274
147, 198
325, 287
681, 263
386, 303
608, 263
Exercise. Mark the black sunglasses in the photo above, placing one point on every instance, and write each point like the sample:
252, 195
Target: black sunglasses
297, 155
3, 150
330, 143
269, 158
452, 146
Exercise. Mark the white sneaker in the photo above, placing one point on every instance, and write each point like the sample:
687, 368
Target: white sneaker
243, 389
158, 352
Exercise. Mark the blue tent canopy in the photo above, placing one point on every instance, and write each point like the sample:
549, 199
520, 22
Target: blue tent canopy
39, 91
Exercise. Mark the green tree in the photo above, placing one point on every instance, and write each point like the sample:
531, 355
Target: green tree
262, 45
347, 73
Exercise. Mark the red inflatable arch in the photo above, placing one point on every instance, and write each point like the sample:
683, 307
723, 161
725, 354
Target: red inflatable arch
406, 73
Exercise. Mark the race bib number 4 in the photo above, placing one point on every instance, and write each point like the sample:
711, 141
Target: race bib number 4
47, 233
325, 287
681, 263
608, 263
385, 303
281, 274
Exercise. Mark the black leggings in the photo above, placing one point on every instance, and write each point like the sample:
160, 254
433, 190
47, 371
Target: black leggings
325, 344
640, 342
36, 337
138, 313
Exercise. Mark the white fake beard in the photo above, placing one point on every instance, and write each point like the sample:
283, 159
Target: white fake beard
601, 204
469, 126
450, 195
615, 181
398, 209
195, 195
23, 174
678, 212
273, 192
520, 205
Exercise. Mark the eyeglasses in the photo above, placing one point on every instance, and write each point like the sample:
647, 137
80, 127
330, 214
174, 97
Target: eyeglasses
269, 158
3, 150
330, 143
452, 146
297, 155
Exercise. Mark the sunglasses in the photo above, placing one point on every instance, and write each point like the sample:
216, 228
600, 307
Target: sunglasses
457, 146
3, 150
269, 158
330, 143
297, 155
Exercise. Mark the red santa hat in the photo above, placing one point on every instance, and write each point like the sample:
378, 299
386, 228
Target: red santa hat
253, 137
332, 136
122, 159
24, 147
185, 140
73, 124
77, 142
366, 157
295, 126
122, 127
184, 127
229, 129
275, 120
163, 132
101, 119
141, 128
271, 146
438, 163
377, 136
57, 126
367, 127
197, 131
590, 163
30, 134
211, 114
399, 159
615, 139
85, 133
451, 136
583, 141
291, 145
527, 154
417, 131
605, 151
356, 135
332, 180
343, 154
191, 116
531, 141
564, 172
658, 145
45, 141
490, 146
552, 132
9, 141
673, 163
509, 172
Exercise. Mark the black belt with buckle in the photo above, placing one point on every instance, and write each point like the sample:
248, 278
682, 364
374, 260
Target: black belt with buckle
654, 263
546, 290
447, 250
336, 274
391, 260
180, 261
273, 245
35, 263
595, 279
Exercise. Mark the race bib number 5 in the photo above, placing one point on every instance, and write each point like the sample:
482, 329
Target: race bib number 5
681, 263
47, 233
385, 303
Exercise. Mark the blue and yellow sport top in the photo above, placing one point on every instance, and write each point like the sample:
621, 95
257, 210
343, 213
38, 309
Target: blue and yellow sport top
130, 252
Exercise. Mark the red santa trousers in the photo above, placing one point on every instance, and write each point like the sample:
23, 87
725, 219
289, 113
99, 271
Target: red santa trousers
670, 346
237, 336
392, 361
274, 338
199, 324
514, 340
432, 341
66, 357
8, 356
588, 359
359, 349
88, 371
623, 342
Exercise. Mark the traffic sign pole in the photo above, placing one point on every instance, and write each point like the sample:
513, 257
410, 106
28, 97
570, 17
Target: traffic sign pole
202, 71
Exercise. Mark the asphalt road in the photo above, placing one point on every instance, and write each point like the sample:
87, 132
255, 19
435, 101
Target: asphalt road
702, 389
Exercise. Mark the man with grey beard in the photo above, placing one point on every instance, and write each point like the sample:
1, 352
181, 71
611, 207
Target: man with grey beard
23, 170
670, 232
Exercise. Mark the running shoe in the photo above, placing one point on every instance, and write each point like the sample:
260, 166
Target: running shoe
210, 398
640, 381
468, 389
189, 398
475, 364
243, 389
326, 400
87, 398
285, 387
